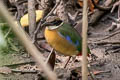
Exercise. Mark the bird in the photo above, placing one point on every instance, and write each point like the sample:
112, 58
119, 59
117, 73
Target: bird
62, 37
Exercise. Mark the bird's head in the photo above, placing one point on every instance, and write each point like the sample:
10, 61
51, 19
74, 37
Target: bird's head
53, 24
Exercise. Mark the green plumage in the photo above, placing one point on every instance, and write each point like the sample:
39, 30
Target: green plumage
66, 30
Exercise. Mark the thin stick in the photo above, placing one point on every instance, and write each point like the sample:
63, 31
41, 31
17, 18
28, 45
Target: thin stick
84, 43
31, 17
90, 71
106, 37
23, 71
7, 33
25, 40
18, 64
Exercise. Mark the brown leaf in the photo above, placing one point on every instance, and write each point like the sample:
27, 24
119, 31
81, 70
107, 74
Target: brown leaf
5, 70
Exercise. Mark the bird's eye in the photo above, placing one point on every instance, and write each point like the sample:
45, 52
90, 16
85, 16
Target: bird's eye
57, 23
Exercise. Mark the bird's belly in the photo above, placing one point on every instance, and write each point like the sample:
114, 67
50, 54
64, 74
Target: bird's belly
59, 43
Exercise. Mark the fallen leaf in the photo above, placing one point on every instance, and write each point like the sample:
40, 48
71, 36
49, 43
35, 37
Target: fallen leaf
5, 70
90, 4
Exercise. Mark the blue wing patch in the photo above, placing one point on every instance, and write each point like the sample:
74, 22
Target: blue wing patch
68, 38
77, 43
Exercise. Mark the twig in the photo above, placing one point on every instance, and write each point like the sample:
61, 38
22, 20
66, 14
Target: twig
41, 38
36, 31
119, 10
24, 38
114, 6
90, 72
13, 47
105, 42
114, 19
7, 33
106, 37
31, 17
39, 47
84, 43
24, 71
57, 3
19, 64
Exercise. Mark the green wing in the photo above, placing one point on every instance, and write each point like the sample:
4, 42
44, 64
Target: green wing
68, 32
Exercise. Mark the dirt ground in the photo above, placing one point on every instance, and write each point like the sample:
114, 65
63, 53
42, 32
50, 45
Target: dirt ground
106, 60
103, 41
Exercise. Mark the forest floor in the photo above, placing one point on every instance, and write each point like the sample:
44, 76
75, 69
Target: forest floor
104, 43
105, 65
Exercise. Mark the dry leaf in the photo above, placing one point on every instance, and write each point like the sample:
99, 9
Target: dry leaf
90, 4
5, 70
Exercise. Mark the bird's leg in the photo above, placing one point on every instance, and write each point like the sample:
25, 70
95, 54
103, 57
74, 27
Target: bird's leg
73, 60
67, 61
